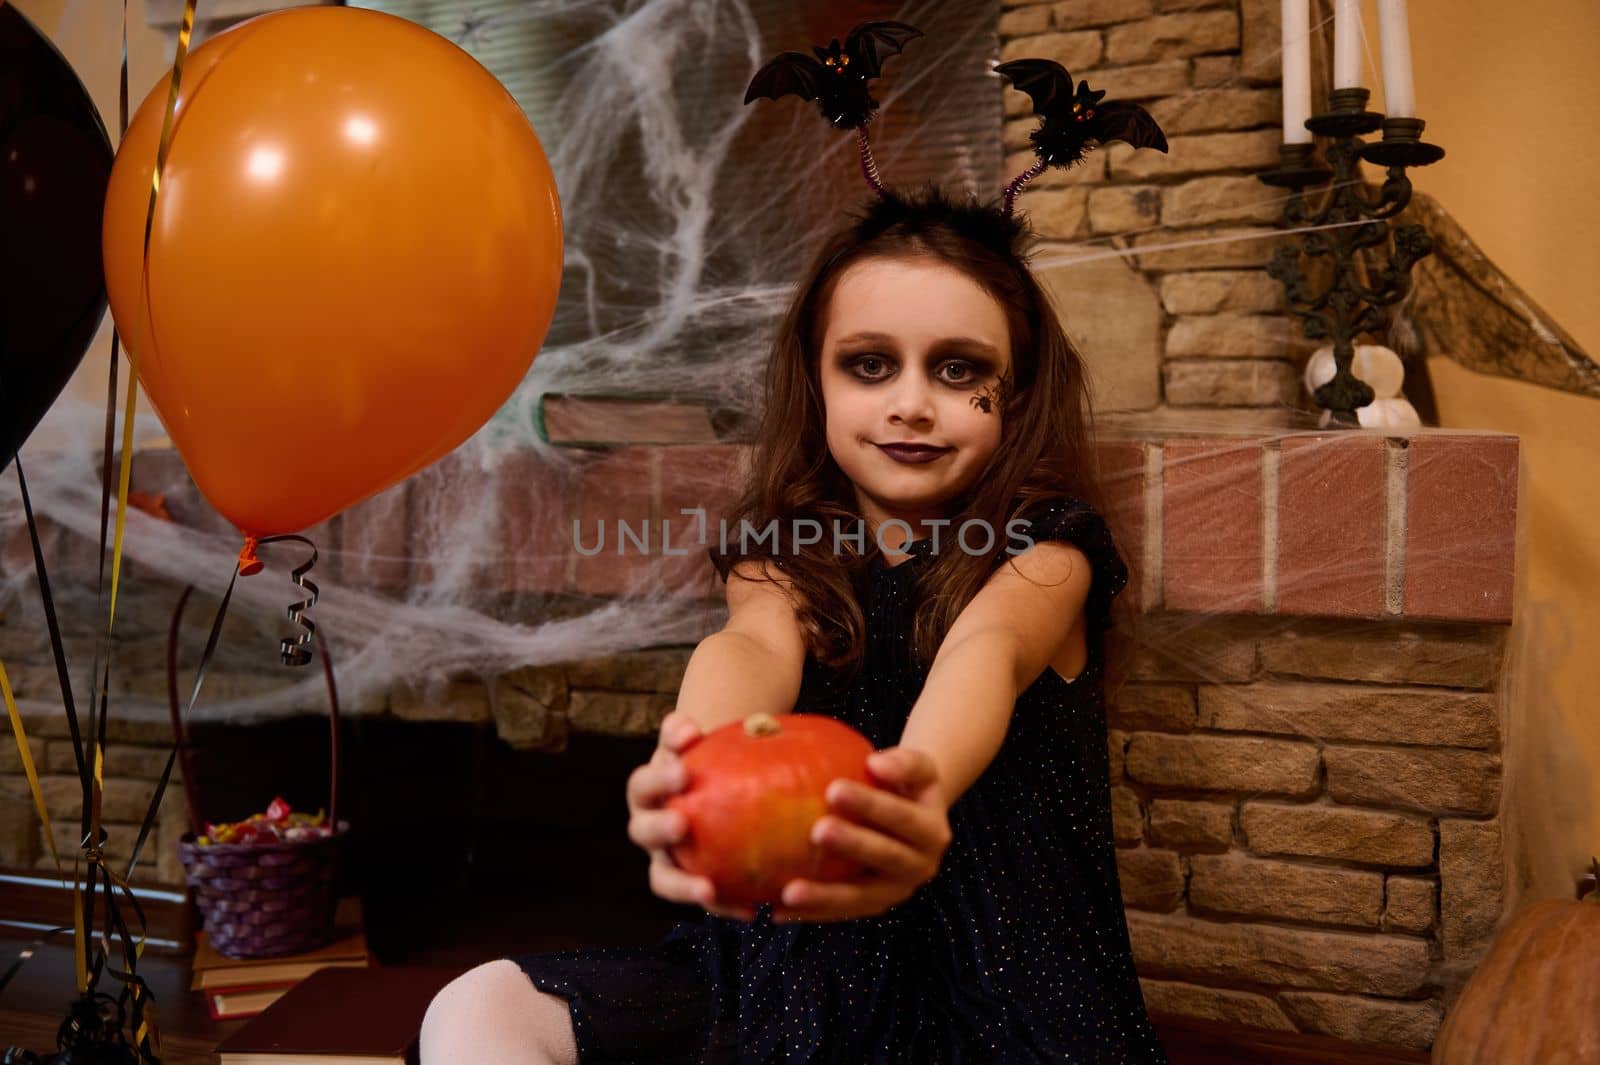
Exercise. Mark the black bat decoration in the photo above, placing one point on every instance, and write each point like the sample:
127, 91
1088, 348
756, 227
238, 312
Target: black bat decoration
837, 78
1075, 121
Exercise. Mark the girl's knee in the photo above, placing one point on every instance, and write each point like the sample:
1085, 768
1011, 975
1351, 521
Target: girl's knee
493, 1013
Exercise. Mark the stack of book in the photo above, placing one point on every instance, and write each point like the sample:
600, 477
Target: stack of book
235, 988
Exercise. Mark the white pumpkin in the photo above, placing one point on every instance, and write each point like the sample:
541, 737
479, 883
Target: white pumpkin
1389, 414
1395, 413
1373, 363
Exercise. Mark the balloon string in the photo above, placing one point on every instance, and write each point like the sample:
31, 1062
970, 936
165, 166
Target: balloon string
29, 951
28, 768
147, 1039
176, 714
81, 945
63, 675
129, 416
294, 650
184, 33
130, 413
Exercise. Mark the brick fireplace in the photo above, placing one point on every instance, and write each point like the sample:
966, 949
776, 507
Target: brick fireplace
1307, 761
1308, 774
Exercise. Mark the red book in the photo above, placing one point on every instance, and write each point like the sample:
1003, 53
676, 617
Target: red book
341, 1017
245, 1000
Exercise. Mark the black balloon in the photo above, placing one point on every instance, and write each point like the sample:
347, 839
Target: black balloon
55, 160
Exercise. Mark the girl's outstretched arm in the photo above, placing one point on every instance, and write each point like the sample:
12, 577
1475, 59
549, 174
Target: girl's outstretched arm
1017, 624
1012, 630
752, 665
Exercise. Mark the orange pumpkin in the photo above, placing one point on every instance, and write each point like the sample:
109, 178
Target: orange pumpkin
1535, 998
755, 789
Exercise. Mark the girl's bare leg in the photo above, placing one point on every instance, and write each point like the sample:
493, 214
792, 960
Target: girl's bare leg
493, 1015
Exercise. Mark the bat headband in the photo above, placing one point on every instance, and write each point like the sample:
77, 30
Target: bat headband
1072, 121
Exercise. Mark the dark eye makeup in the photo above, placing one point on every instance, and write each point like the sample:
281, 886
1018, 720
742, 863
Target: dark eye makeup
971, 371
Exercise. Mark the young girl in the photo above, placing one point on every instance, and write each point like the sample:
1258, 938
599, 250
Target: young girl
921, 386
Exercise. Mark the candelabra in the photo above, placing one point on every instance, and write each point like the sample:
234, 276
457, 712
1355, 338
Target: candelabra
1353, 218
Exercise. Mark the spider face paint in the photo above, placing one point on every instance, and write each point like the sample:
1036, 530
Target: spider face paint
995, 395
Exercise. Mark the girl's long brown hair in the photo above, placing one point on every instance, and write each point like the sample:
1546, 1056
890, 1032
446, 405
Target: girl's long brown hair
1043, 455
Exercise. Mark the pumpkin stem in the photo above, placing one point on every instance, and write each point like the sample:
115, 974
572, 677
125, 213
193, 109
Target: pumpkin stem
761, 725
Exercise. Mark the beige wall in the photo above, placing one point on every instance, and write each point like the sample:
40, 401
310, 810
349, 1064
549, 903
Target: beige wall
1509, 90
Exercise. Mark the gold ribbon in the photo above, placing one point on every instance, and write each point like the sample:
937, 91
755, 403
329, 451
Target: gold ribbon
27, 767
146, 1032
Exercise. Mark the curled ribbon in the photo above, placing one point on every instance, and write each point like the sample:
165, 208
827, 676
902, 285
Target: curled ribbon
294, 650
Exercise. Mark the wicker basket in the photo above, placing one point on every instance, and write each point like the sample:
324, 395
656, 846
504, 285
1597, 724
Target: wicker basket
260, 900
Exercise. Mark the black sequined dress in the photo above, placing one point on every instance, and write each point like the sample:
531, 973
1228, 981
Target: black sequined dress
1017, 951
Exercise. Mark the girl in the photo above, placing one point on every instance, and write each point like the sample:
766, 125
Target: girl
921, 386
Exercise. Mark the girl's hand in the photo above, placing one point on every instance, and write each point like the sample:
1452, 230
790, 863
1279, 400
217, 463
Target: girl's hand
656, 828
899, 831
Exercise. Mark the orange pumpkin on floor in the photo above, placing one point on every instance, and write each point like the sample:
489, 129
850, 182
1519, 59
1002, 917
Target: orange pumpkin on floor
755, 789
1535, 998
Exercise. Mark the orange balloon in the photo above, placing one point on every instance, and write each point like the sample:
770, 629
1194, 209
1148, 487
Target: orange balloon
355, 256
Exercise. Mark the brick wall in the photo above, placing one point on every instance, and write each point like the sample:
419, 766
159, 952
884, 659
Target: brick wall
1307, 820
1208, 70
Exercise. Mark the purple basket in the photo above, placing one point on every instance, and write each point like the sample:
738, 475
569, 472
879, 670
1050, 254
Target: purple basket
261, 900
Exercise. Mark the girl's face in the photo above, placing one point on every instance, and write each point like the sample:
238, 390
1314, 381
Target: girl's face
915, 352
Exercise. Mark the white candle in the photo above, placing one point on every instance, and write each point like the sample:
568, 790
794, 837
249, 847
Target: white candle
1346, 44
1399, 95
1296, 71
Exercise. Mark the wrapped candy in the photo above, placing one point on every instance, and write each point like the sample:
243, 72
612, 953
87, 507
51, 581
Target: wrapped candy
279, 824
